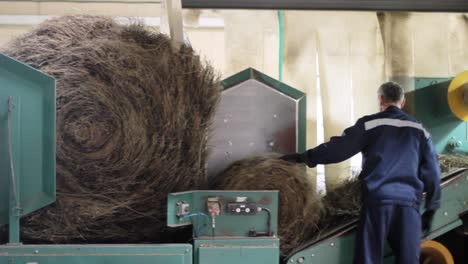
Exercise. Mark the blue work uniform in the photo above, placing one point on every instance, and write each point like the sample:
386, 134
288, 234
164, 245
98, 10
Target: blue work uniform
399, 164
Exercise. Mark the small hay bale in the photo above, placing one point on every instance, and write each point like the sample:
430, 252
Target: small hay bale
299, 206
132, 122
341, 204
452, 162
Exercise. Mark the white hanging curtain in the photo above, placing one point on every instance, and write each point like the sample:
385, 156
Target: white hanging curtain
351, 67
351, 62
424, 45
251, 40
300, 71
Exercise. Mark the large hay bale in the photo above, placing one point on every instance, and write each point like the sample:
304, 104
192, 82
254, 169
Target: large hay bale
299, 205
132, 122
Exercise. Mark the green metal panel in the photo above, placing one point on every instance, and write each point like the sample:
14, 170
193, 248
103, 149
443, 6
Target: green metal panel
336, 246
226, 224
256, 115
432, 109
235, 251
251, 73
97, 254
454, 201
32, 96
188, 197
302, 115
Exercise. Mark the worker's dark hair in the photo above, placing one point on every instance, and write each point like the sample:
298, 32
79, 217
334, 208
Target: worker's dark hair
391, 92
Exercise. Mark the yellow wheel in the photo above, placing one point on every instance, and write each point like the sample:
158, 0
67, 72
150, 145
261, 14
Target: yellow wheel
457, 95
433, 252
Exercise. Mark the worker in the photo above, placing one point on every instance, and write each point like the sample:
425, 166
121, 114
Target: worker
399, 163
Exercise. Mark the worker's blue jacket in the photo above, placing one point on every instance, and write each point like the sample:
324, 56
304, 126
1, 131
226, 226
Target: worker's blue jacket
399, 160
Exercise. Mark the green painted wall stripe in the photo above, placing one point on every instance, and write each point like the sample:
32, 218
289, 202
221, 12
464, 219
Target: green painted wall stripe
281, 44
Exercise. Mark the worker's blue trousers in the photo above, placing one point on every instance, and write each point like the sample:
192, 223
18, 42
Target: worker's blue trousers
400, 225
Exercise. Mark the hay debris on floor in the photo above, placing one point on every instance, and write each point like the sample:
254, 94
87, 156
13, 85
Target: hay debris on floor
452, 162
299, 207
132, 122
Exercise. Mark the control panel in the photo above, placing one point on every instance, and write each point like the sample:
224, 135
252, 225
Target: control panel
242, 208
225, 213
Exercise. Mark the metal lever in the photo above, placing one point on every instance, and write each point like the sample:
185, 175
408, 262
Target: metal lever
213, 205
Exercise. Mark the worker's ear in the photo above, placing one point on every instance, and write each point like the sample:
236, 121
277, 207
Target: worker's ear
403, 103
380, 99
381, 103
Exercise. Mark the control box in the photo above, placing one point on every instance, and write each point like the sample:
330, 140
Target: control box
182, 208
222, 214
242, 208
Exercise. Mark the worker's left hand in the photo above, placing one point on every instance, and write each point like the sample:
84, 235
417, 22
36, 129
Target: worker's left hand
426, 220
294, 158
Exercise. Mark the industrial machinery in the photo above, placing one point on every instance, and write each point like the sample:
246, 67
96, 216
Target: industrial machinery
238, 226
228, 226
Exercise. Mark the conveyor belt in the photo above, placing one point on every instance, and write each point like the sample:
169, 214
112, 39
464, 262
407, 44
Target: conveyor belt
332, 234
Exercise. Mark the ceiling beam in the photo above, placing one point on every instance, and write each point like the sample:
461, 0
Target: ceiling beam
364, 5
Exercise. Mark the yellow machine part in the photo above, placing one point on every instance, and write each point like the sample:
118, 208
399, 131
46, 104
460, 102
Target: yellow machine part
433, 252
458, 95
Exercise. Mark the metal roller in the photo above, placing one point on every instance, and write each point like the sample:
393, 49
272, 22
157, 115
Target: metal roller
458, 96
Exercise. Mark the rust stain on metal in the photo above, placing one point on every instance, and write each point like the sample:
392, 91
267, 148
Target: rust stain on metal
265, 200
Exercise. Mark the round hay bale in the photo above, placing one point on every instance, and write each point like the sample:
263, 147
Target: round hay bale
299, 205
132, 122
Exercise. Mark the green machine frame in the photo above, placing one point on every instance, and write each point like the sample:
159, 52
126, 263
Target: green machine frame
96, 254
429, 104
237, 236
27, 137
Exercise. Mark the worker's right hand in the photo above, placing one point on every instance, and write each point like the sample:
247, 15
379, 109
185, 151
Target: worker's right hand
294, 158
426, 220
